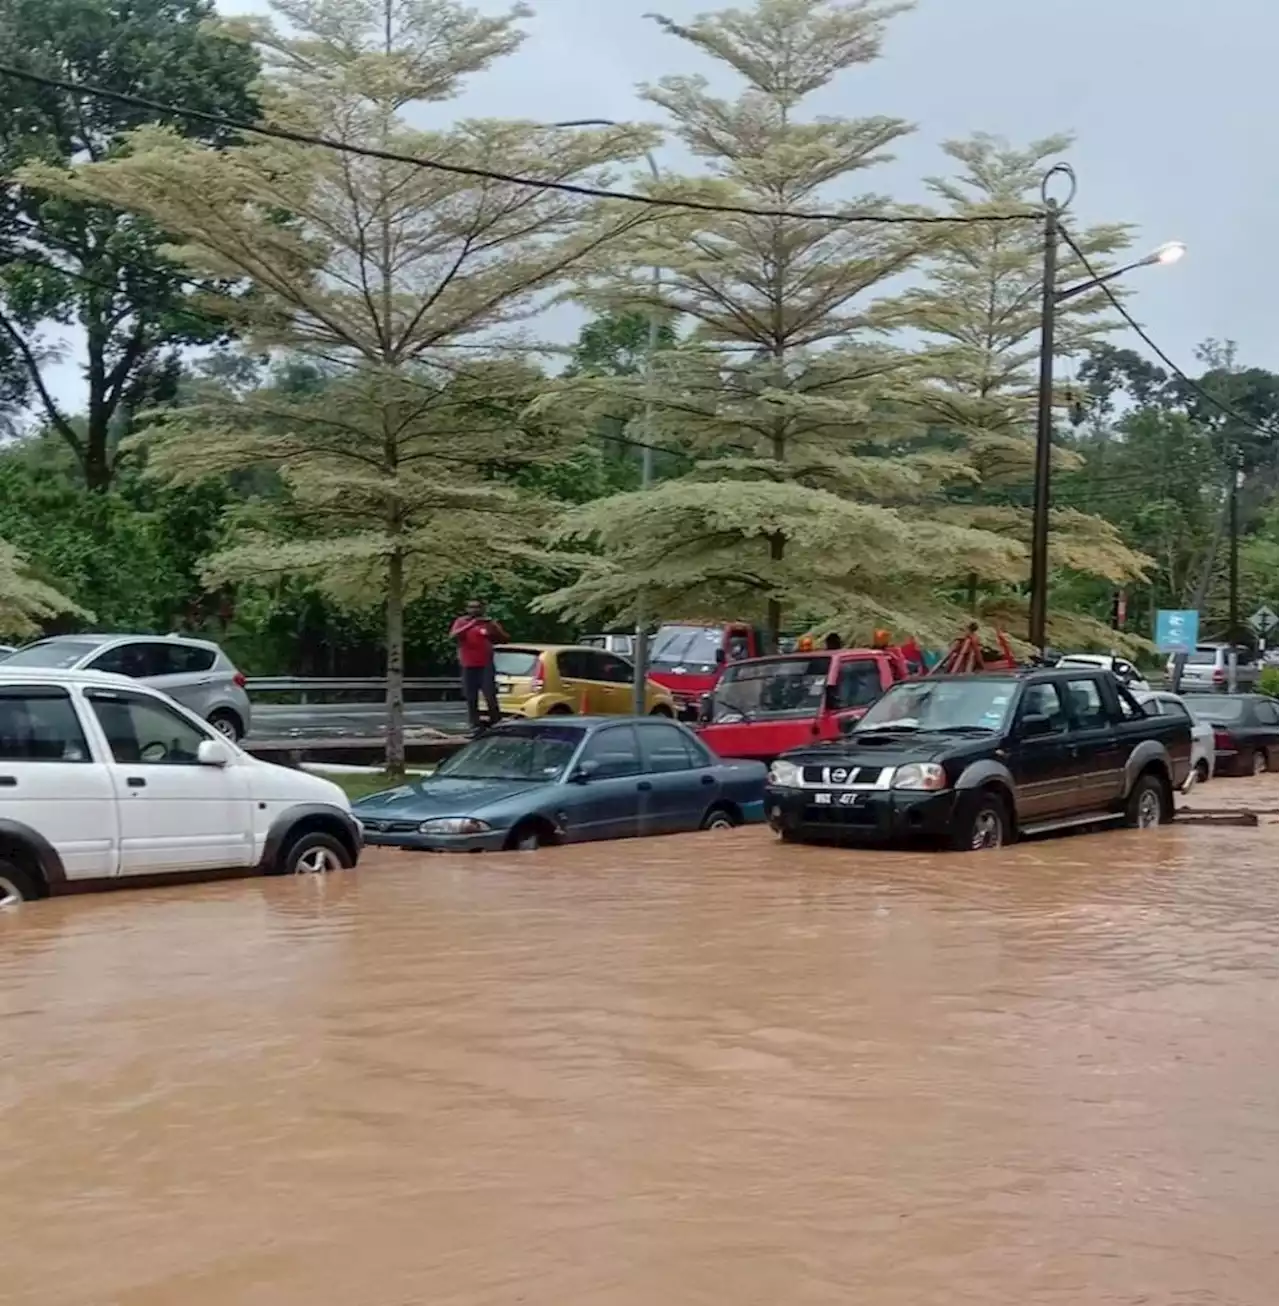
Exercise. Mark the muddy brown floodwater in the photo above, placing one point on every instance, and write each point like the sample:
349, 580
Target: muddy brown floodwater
702, 1070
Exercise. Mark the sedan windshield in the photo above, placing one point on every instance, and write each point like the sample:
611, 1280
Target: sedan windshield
534, 753
694, 647
980, 703
52, 653
751, 690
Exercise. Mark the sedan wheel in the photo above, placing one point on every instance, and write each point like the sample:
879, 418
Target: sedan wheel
718, 820
1260, 766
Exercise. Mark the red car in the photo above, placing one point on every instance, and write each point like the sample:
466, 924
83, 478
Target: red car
687, 659
762, 707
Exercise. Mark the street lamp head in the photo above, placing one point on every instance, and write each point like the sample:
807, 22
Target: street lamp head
1170, 252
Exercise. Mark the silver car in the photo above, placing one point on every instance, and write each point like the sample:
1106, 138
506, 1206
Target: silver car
196, 673
1206, 668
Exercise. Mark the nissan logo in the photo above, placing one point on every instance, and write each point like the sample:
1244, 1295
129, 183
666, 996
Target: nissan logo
838, 775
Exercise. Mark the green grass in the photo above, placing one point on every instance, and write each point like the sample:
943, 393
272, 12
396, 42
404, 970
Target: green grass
358, 784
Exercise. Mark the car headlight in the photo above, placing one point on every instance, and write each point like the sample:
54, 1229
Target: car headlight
784, 774
920, 775
453, 825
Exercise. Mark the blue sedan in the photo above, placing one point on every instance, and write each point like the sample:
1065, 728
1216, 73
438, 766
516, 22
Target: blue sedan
529, 783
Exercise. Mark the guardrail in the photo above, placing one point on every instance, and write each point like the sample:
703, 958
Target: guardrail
305, 689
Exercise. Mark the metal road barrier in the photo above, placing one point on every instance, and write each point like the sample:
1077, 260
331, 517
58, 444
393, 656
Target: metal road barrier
319, 689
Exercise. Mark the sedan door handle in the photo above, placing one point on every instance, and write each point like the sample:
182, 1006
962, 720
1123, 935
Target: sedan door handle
708, 779
9, 781
644, 785
136, 782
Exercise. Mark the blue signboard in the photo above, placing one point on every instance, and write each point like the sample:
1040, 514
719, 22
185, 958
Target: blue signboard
1177, 630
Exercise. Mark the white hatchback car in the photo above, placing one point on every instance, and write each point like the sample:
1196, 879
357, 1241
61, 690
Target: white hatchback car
102, 779
1162, 702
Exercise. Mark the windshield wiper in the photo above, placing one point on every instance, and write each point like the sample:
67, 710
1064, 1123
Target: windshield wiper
886, 725
950, 730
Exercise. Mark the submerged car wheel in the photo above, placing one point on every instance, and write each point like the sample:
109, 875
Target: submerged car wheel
718, 819
528, 838
1260, 766
1147, 806
315, 854
1202, 772
983, 826
15, 885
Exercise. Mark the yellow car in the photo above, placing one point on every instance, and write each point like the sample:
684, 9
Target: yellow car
549, 679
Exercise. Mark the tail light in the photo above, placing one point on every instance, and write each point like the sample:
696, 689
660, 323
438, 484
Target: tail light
238, 680
538, 680
1222, 741
1219, 676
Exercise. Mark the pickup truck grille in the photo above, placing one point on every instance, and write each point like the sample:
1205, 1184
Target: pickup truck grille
838, 777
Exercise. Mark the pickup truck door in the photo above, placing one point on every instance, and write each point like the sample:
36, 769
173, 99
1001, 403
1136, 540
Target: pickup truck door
1097, 752
1040, 757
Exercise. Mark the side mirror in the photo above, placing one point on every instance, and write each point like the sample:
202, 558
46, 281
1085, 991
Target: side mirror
584, 771
1033, 724
721, 657
705, 707
212, 752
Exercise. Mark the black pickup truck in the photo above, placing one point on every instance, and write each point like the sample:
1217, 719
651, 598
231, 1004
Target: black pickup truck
976, 761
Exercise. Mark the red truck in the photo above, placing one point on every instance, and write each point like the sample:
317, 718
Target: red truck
688, 658
761, 708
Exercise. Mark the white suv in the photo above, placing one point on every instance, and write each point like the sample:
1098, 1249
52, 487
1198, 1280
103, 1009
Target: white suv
102, 779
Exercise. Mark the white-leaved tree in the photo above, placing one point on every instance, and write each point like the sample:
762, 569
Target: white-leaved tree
376, 269
799, 413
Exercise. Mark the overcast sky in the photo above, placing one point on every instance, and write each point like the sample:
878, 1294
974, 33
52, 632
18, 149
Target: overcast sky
1173, 104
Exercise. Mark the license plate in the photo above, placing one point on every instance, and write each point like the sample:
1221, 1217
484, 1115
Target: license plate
840, 800
503, 686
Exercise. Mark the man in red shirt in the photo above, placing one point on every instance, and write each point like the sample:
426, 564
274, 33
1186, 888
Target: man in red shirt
476, 635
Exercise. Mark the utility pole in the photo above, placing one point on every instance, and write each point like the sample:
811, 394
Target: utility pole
1202, 585
1233, 563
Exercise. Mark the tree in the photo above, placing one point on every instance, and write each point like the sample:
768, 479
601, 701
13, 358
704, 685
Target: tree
784, 390
73, 261
978, 313
372, 269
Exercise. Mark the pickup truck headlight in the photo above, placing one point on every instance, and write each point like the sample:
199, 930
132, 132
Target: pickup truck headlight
784, 774
920, 775
453, 825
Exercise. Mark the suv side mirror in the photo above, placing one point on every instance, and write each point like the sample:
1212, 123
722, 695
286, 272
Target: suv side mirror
212, 752
1034, 724
584, 771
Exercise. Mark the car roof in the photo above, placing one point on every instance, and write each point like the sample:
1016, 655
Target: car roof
98, 637
574, 719
60, 676
531, 646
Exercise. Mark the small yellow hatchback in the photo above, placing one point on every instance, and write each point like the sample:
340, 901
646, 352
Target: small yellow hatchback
558, 679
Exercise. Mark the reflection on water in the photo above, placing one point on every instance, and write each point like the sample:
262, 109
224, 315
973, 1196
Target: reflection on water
685, 1071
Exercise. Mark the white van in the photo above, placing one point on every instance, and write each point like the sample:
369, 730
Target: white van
102, 779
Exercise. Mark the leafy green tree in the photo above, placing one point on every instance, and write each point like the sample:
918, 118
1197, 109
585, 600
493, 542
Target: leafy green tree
372, 269
70, 261
784, 391
978, 313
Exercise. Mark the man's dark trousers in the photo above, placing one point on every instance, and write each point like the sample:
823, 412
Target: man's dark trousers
475, 682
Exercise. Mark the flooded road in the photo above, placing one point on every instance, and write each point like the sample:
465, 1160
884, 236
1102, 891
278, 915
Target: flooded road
701, 1070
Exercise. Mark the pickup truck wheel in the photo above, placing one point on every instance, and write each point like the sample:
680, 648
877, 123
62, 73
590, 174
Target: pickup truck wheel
15, 885
983, 824
315, 854
1148, 805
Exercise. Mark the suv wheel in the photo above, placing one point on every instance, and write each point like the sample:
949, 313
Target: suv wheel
15, 885
315, 854
983, 826
1260, 766
228, 724
1148, 805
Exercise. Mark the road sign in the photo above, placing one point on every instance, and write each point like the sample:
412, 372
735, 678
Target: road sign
1177, 630
1264, 621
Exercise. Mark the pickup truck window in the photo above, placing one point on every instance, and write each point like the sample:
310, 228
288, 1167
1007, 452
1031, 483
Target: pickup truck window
1085, 705
1043, 701
857, 684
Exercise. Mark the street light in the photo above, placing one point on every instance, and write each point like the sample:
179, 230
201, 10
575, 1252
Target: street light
1050, 298
640, 652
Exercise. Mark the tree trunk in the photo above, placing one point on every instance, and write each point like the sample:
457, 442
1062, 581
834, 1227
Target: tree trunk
395, 664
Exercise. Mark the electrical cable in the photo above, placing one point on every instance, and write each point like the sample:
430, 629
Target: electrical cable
489, 174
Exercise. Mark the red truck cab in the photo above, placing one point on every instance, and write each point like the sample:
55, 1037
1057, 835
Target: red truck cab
688, 658
762, 707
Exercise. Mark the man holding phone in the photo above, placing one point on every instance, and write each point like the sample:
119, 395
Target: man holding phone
476, 635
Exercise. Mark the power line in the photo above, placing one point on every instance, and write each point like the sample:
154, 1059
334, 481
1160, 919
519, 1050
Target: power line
489, 174
1155, 348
